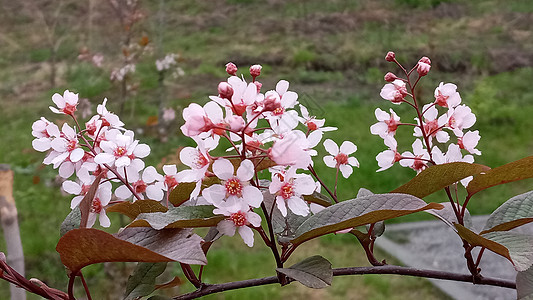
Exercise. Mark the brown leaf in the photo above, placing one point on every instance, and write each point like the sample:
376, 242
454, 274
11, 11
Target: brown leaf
87, 201
133, 209
174, 282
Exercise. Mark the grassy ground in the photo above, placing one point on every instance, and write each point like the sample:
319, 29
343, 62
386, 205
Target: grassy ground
332, 53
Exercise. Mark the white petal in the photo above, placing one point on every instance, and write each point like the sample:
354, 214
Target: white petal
246, 170
253, 218
122, 192
252, 196
330, 161
41, 144
104, 219
282, 206
304, 185
122, 161
71, 187
226, 227
247, 235
104, 158
298, 206
154, 192
141, 151
346, 170
188, 156
331, 147
214, 194
223, 168
75, 201
170, 169
353, 161
348, 147
76, 154
66, 169
282, 86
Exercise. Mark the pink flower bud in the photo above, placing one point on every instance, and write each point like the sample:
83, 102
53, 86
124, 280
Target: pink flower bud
255, 70
231, 68
390, 56
423, 68
425, 60
236, 123
225, 90
258, 85
390, 77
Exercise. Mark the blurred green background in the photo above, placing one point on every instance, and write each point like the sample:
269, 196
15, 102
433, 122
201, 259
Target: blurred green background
331, 52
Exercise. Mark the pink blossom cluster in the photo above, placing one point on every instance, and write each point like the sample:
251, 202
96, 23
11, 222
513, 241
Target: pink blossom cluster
433, 125
102, 148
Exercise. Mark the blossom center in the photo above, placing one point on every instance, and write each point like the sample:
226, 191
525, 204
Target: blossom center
312, 126
418, 164
238, 218
287, 190
120, 151
139, 187
72, 144
392, 125
201, 161
431, 127
441, 100
234, 187
170, 181
96, 207
69, 109
278, 111
341, 159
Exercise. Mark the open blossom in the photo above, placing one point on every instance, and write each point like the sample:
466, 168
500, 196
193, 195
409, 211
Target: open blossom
243, 96
291, 150
387, 158
340, 158
80, 188
234, 186
198, 160
460, 118
387, 125
108, 118
66, 104
446, 95
66, 146
417, 160
289, 190
120, 149
432, 125
145, 184
44, 131
238, 217
469, 141
395, 92
202, 121
312, 123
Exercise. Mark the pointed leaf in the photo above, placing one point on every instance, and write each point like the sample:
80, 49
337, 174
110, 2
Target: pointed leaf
438, 177
182, 192
515, 212
133, 209
85, 246
358, 212
179, 217
517, 248
142, 282
516, 170
447, 215
72, 221
524, 284
314, 272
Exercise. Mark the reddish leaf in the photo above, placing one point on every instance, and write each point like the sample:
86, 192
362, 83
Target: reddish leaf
133, 209
82, 247
514, 171
438, 177
174, 282
179, 217
87, 201
182, 192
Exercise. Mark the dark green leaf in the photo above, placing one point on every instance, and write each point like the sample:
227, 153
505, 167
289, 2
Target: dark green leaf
516, 170
179, 217
438, 177
142, 282
72, 221
358, 212
314, 272
515, 212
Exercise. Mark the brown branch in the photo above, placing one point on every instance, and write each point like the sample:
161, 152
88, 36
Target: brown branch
388, 269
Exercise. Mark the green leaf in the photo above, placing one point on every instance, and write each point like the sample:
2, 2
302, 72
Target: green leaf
524, 285
133, 209
72, 221
447, 215
142, 282
179, 217
517, 248
85, 246
516, 170
314, 272
182, 192
358, 212
438, 177
515, 212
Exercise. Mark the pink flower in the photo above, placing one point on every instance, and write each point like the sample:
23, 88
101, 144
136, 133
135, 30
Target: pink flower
44, 131
66, 104
290, 189
395, 92
291, 150
312, 123
66, 146
459, 118
231, 69
432, 126
146, 184
339, 158
120, 149
233, 187
108, 118
390, 56
239, 217
422, 68
387, 124
388, 158
202, 120
255, 70
197, 159
446, 95
416, 160
469, 142
79, 188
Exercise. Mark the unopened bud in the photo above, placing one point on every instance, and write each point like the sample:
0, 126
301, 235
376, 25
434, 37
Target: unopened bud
231, 68
423, 68
390, 56
255, 70
425, 60
225, 90
236, 123
390, 77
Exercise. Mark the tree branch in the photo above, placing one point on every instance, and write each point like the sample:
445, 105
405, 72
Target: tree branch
387, 269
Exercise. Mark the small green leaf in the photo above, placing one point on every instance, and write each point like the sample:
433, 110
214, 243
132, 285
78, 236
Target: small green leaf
358, 212
142, 282
133, 209
524, 285
515, 212
72, 221
438, 177
314, 272
179, 217
516, 170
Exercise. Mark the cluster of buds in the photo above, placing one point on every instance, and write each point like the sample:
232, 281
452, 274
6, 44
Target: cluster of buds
432, 125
